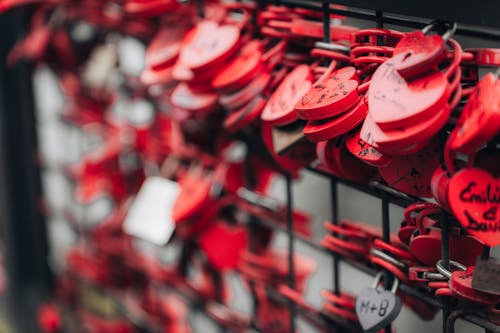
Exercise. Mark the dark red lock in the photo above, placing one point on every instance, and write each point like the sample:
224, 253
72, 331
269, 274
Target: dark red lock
409, 224
425, 243
460, 285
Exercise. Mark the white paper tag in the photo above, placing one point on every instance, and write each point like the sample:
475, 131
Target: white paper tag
150, 216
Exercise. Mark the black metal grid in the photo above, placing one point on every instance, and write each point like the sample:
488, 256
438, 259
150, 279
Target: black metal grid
373, 11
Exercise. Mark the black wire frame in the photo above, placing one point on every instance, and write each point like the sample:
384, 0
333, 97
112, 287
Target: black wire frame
404, 16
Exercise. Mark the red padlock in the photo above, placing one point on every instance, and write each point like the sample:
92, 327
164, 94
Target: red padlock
460, 284
223, 244
280, 107
425, 243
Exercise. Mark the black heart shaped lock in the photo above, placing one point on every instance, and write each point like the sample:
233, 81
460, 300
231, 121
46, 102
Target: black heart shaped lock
377, 308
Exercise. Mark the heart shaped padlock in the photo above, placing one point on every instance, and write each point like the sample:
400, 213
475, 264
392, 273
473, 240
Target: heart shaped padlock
480, 119
364, 151
241, 69
421, 53
396, 102
377, 308
474, 198
223, 244
412, 174
321, 130
210, 44
279, 109
330, 97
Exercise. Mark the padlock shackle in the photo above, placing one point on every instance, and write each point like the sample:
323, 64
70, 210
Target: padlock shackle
414, 208
331, 67
455, 61
451, 30
447, 273
426, 212
393, 249
386, 257
433, 276
332, 47
378, 278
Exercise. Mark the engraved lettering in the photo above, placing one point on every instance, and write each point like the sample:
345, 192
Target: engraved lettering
489, 196
481, 226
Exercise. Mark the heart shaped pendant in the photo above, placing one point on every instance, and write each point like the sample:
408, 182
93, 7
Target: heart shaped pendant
421, 53
474, 198
395, 102
330, 97
279, 109
480, 119
377, 309
223, 244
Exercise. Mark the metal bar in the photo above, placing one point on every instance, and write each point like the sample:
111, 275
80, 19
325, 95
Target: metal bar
185, 258
464, 29
386, 237
252, 236
375, 189
26, 248
486, 253
473, 316
326, 23
313, 317
445, 240
379, 19
250, 182
447, 10
354, 264
445, 256
421, 296
334, 197
393, 192
386, 228
335, 220
291, 247
200, 7
481, 322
